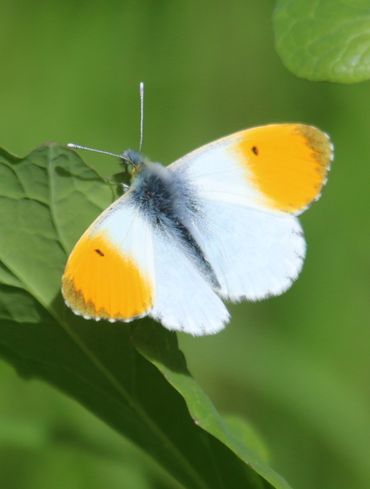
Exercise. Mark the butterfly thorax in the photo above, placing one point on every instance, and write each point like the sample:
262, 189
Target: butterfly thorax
168, 203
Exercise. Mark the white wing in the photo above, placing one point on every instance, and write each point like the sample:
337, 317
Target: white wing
184, 299
243, 214
123, 268
253, 253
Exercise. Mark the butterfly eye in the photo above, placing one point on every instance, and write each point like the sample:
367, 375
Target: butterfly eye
255, 150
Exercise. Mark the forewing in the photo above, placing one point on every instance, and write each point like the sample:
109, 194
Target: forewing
277, 167
109, 273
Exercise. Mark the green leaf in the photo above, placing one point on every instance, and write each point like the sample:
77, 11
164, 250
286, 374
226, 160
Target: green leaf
133, 377
241, 429
163, 352
324, 39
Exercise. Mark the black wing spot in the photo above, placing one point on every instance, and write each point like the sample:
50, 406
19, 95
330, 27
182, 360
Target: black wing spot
99, 252
255, 150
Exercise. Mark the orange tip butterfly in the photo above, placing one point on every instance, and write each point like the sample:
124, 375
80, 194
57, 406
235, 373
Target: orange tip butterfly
218, 224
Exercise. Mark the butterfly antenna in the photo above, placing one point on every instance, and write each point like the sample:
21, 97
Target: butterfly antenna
141, 89
78, 146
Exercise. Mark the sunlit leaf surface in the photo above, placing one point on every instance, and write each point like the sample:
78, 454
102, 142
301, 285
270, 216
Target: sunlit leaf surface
324, 39
133, 377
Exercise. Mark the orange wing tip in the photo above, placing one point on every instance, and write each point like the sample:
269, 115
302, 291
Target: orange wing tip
74, 299
101, 282
287, 163
323, 150
320, 144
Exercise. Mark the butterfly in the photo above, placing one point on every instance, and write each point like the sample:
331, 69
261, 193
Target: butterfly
219, 224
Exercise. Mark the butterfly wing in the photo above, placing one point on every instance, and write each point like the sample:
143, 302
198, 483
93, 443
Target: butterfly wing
185, 300
248, 187
254, 254
125, 267
109, 273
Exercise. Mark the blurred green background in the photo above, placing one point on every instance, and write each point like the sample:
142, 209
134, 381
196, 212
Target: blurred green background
296, 366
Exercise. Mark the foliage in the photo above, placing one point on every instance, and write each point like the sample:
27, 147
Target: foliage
114, 371
324, 39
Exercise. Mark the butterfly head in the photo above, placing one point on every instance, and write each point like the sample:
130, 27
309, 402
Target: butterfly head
133, 160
